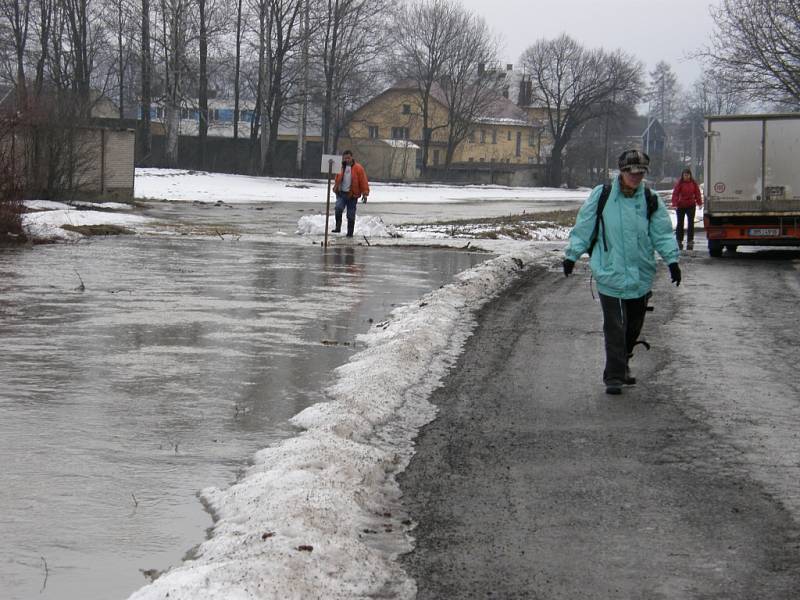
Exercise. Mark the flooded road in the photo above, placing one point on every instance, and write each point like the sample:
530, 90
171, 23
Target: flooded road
138, 370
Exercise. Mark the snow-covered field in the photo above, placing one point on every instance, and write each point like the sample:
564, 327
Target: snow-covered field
182, 185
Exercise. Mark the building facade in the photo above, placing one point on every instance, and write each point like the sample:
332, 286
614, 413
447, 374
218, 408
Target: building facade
503, 136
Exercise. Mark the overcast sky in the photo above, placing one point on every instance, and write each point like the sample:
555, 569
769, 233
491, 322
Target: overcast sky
652, 30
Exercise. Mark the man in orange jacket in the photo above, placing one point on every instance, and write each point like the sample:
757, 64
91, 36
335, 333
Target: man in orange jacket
351, 183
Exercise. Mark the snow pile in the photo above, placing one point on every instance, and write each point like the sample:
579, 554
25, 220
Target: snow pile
46, 225
365, 226
51, 205
318, 515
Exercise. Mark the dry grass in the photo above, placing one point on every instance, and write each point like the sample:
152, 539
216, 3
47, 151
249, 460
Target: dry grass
91, 230
562, 218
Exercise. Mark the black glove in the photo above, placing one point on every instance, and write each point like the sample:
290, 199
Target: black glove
568, 266
675, 274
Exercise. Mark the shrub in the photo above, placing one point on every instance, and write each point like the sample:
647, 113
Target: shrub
11, 206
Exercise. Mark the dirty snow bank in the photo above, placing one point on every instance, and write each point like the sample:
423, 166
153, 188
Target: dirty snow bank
318, 515
374, 227
47, 225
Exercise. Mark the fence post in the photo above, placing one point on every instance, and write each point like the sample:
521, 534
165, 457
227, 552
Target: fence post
328, 202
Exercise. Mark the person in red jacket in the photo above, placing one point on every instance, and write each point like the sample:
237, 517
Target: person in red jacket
685, 198
351, 183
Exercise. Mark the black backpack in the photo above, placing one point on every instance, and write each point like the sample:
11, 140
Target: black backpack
652, 205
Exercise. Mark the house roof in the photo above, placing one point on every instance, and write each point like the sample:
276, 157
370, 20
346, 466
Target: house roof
501, 111
637, 126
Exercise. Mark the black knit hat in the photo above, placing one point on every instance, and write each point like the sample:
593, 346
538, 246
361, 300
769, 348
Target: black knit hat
634, 161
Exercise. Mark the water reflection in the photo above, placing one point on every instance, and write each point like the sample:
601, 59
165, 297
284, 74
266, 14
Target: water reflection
176, 362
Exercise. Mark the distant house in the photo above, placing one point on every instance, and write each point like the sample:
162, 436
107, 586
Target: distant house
647, 133
501, 138
221, 116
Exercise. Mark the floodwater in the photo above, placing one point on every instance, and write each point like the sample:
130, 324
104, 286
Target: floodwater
138, 370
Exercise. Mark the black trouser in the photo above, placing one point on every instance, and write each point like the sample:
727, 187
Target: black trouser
622, 324
685, 213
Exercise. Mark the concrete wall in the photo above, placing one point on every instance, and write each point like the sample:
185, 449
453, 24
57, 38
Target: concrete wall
106, 163
384, 161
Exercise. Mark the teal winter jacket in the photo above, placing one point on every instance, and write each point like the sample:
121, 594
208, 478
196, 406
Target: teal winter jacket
625, 266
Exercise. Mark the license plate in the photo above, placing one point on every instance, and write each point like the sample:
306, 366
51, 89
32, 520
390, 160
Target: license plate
764, 232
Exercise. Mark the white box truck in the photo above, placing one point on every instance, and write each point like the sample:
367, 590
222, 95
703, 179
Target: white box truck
752, 181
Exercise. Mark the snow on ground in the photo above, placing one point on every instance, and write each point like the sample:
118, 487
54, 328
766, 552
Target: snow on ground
51, 205
47, 225
365, 226
319, 515
188, 186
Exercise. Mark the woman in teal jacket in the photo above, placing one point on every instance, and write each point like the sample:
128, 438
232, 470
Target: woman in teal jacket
623, 259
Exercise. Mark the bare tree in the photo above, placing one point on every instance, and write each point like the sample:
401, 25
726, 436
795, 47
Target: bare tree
146, 143
84, 34
575, 85
469, 90
350, 59
237, 69
120, 22
302, 116
18, 15
425, 33
175, 38
756, 46
211, 24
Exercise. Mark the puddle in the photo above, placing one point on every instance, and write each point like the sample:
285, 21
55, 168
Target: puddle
163, 374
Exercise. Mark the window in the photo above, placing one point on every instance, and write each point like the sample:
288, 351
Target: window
509, 136
184, 113
214, 114
373, 132
406, 109
494, 136
531, 140
427, 133
519, 143
483, 136
471, 159
159, 113
399, 133
482, 159
471, 137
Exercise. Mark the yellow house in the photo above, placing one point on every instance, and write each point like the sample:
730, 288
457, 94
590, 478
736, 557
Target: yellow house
503, 135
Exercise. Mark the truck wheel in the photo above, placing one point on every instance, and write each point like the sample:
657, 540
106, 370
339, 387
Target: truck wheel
714, 248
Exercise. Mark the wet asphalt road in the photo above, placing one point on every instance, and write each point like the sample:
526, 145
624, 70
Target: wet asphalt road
533, 483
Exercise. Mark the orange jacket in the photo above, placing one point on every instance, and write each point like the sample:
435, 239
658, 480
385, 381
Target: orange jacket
359, 186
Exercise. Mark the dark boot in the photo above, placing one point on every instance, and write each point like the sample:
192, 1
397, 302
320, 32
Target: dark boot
351, 225
338, 228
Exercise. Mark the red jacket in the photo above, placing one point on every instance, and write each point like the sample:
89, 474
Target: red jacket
359, 186
686, 194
